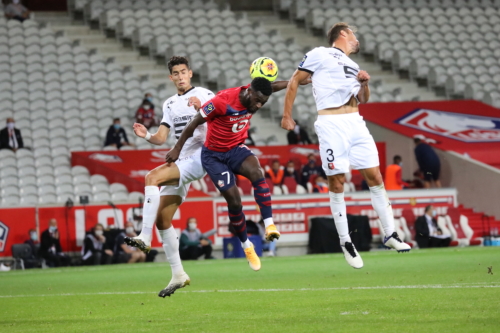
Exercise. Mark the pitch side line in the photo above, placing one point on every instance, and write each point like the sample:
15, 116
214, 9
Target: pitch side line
429, 286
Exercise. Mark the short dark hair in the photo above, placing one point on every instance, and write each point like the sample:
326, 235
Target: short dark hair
427, 208
396, 158
116, 119
335, 30
417, 140
263, 85
177, 60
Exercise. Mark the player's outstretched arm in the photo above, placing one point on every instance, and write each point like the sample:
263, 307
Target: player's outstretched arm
297, 78
188, 131
158, 138
364, 91
278, 85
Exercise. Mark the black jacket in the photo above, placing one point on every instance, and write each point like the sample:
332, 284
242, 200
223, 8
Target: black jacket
302, 138
47, 241
422, 231
4, 138
115, 137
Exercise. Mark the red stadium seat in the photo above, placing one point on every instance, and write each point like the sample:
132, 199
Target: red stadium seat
245, 185
290, 184
459, 226
410, 221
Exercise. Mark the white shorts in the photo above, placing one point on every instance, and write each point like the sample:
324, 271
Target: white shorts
190, 169
345, 140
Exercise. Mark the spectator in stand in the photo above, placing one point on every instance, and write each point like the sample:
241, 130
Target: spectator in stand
50, 247
311, 169
291, 172
116, 135
10, 136
428, 232
428, 161
276, 173
298, 136
393, 175
320, 185
192, 243
34, 245
146, 113
93, 249
15, 10
124, 253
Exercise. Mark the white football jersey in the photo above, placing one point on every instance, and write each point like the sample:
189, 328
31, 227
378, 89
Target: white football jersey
177, 113
333, 76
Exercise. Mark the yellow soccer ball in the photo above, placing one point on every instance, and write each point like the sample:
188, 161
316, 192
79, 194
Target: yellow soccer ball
264, 67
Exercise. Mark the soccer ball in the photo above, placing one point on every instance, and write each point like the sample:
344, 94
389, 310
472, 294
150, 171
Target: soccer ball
264, 67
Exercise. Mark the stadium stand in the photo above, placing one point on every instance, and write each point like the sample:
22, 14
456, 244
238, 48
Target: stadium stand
449, 46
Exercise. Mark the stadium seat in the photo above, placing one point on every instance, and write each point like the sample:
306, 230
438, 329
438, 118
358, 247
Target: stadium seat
459, 227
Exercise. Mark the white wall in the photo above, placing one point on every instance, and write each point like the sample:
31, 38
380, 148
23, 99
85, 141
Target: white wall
478, 184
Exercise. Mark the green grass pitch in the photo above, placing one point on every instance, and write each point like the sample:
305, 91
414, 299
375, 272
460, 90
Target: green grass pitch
448, 290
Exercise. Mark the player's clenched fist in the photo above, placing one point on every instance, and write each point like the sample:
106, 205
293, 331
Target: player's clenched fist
363, 77
140, 130
195, 102
288, 123
172, 155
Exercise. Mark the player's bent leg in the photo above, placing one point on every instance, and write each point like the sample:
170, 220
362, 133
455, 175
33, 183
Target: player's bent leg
339, 212
166, 174
251, 169
238, 222
382, 205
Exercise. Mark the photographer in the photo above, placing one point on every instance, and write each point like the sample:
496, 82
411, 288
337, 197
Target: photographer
192, 245
50, 247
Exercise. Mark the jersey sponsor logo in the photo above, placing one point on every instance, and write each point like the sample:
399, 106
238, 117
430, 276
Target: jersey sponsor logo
303, 61
208, 108
239, 118
239, 126
4, 232
350, 72
457, 126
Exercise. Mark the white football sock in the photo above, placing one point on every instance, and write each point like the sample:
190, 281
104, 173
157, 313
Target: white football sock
337, 205
382, 205
268, 221
170, 242
246, 244
149, 210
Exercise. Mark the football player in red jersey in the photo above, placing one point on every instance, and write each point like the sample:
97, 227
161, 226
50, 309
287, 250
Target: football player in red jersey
224, 154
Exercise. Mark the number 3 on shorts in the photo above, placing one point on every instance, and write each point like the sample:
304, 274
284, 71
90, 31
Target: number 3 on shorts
330, 157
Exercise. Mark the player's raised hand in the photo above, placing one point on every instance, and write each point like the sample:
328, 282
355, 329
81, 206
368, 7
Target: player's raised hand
140, 130
195, 102
363, 78
288, 123
172, 155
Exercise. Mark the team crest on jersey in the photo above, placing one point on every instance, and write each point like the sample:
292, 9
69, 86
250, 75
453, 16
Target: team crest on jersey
303, 61
220, 183
4, 232
331, 166
457, 126
208, 108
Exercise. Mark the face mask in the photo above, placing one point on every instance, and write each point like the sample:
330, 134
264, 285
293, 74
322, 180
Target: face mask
291, 170
321, 184
192, 226
150, 99
34, 236
98, 232
15, 2
129, 230
116, 126
52, 229
434, 213
11, 125
400, 164
147, 107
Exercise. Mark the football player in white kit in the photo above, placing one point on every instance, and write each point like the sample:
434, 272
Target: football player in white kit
161, 204
338, 87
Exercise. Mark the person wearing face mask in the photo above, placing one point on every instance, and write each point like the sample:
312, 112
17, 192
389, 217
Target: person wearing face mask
116, 135
320, 185
311, 169
50, 247
124, 253
428, 234
393, 174
94, 251
10, 136
192, 245
275, 173
145, 115
291, 172
15, 10
33, 242
298, 136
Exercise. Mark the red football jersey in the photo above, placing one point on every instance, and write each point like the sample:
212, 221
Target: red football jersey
228, 120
